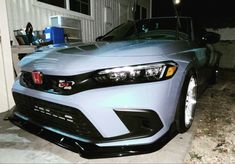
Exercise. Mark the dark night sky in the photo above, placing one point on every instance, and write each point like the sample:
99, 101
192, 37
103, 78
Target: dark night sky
208, 13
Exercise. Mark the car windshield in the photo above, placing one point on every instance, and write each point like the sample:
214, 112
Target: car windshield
157, 28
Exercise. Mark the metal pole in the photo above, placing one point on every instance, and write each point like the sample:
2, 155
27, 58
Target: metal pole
178, 19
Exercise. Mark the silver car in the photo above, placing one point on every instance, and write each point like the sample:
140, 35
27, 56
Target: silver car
121, 95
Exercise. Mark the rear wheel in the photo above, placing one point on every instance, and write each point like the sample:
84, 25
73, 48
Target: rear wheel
187, 104
213, 78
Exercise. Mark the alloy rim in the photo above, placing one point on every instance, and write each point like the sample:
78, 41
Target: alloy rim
190, 102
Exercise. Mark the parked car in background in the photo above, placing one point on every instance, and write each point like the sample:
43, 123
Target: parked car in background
120, 95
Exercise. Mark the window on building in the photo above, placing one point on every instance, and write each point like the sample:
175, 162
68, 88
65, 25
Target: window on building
137, 12
59, 3
144, 13
81, 6
140, 12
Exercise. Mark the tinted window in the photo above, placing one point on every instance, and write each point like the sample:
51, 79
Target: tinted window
159, 28
122, 32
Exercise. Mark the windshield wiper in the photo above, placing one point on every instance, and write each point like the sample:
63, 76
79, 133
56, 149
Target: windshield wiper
108, 38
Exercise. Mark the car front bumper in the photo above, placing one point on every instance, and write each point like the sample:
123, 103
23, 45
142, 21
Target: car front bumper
105, 110
88, 149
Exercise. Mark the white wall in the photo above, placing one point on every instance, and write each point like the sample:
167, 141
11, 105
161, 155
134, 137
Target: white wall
3, 93
226, 33
22, 11
226, 46
6, 67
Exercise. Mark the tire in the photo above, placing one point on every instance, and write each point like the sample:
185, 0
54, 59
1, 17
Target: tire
214, 64
187, 103
214, 75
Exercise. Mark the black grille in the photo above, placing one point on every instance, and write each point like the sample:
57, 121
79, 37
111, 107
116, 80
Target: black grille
48, 83
51, 83
66, 119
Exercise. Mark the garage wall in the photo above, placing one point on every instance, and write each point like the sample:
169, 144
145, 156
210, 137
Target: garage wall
22, 11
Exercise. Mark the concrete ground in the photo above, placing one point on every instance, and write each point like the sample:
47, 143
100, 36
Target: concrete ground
19, 146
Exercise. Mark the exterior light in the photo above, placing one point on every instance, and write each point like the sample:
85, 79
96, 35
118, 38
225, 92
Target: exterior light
176, 2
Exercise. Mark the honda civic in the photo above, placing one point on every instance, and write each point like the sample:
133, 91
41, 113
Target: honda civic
123, 93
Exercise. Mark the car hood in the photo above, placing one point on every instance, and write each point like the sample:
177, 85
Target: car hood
81, 58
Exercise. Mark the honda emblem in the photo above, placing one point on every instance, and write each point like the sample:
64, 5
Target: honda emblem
37, 77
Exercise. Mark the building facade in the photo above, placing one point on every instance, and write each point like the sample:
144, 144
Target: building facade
98, 17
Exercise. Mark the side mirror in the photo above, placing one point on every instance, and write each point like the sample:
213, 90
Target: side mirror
211, 38
98, 38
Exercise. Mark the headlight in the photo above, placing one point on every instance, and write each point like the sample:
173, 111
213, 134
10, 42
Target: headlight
137, 73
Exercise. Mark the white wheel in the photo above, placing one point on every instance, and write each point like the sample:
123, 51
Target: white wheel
190, 102
187, 103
